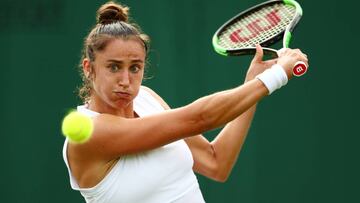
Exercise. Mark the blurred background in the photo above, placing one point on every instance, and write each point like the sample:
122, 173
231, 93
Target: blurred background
302, 146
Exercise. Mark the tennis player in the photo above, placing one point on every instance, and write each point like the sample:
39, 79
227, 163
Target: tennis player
141, 151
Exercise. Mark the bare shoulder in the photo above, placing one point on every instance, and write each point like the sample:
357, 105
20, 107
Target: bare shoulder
156, 96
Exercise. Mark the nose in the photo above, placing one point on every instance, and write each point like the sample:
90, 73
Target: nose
124, 78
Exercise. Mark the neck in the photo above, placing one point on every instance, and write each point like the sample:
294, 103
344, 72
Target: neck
125, 111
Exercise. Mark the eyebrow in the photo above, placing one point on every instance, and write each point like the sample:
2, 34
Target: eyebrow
120, 61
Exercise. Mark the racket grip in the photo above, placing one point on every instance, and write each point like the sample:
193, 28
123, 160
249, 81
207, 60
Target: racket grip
299, 69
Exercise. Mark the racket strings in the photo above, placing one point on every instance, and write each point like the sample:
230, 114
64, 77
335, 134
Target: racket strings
257, 27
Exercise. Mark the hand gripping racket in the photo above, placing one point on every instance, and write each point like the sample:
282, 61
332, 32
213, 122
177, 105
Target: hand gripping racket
263, 24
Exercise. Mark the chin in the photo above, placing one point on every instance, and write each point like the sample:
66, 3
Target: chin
123, 103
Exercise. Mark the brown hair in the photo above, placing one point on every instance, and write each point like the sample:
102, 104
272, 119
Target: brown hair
112, 22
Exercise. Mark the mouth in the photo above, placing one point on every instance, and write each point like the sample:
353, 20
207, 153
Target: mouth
122, 94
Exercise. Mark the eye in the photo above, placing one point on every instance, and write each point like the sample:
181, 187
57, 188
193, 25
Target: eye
135, 68
114, 67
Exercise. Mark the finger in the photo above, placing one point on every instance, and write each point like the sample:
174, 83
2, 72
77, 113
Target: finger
271, 62
300, 52
259, 53
304, 59
281, 51
306, 62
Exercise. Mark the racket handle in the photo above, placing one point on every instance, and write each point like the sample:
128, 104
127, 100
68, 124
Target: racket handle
299, 69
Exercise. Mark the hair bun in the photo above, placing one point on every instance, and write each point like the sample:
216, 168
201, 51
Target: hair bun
112, 12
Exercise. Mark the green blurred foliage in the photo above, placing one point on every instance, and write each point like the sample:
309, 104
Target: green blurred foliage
302, 146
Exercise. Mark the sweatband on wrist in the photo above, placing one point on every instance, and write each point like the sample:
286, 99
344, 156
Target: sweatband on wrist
273, 78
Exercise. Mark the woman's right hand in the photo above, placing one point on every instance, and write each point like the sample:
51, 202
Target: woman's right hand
288, 58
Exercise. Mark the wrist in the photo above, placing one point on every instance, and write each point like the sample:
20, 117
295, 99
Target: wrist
273, 78
250, 75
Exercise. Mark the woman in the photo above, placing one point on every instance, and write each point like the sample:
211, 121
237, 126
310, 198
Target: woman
141, 150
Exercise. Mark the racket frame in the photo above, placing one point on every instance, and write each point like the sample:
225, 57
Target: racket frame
285, 35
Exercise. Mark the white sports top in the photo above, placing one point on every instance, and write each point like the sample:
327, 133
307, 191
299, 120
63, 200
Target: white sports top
162, 175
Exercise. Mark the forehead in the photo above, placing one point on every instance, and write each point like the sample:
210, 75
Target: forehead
123, 48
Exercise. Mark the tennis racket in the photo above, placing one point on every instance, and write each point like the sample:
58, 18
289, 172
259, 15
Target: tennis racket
264, 24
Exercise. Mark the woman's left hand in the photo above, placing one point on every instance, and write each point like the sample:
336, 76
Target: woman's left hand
257, 65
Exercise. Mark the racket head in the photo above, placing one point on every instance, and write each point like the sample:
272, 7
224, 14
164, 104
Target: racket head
264, 24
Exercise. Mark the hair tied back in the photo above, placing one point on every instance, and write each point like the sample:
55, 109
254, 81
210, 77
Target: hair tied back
112, 12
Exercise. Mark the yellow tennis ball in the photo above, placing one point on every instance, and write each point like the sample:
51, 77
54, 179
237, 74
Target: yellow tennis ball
77, 127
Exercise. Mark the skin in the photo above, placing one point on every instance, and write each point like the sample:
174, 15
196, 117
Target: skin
118, 131
117, 78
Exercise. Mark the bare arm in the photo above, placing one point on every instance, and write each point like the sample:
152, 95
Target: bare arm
216, 159
114, 136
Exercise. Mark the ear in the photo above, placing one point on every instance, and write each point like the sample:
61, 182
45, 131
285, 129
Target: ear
86, 64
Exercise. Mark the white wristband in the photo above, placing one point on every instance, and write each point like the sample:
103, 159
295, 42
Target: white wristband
273, 78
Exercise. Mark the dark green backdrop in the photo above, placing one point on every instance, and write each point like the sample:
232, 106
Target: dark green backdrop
303, 144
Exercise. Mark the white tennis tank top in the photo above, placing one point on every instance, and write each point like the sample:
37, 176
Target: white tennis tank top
162, 175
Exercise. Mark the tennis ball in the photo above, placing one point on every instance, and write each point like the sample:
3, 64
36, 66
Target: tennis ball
77, 127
